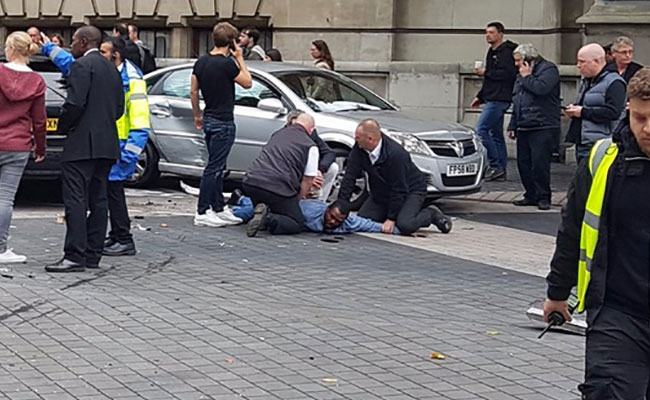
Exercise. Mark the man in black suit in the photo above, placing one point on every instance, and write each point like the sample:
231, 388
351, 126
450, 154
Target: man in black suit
94, 103
397, 187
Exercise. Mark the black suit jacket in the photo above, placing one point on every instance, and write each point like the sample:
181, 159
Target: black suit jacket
94, 103
391, 179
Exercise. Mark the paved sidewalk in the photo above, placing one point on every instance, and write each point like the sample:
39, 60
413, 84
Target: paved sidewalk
208, 313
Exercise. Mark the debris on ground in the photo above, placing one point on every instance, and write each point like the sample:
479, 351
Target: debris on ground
437, 356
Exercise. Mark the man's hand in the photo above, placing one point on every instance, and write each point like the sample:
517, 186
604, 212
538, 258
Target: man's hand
388, 226
238, 53
512, 135
198, 123
573, 111
318, 181
551, 306
480, 71
39, 159
525, 69
476, 103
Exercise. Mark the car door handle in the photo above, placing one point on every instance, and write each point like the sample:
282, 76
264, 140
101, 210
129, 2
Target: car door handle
161, 113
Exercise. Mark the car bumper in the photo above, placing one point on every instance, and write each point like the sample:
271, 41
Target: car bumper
49, 168
439, 184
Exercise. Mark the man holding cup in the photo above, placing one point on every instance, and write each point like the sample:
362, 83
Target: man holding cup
499, 74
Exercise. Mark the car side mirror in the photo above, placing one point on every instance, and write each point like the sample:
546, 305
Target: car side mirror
272, 105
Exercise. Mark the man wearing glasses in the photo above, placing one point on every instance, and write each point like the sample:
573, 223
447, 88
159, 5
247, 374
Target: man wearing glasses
623, 53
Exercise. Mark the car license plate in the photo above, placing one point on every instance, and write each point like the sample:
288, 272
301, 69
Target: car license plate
52, 124
462, 169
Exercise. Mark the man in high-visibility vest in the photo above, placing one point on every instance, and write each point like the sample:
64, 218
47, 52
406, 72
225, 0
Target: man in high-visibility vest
603, 248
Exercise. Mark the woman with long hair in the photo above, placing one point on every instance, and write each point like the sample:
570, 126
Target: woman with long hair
22, 127
320, 52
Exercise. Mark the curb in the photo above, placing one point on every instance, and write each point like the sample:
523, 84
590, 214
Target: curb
557, 198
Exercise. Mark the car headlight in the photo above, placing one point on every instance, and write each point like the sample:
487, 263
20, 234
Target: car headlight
410, 143
478, 144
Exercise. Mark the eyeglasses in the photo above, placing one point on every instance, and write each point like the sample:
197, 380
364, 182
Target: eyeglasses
626, 52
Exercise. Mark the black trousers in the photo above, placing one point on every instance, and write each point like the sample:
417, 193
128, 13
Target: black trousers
618, 357
84, 189
285, 216
534, 151
119, 213
410, 218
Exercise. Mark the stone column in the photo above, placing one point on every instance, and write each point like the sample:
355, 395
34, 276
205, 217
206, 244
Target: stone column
181, 42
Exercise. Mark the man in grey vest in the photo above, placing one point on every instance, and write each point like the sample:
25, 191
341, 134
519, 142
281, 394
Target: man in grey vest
600, 103
282, 175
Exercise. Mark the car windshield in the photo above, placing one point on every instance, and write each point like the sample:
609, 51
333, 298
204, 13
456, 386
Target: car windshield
327, 92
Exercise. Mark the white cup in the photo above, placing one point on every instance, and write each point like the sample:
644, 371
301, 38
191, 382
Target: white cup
478, 64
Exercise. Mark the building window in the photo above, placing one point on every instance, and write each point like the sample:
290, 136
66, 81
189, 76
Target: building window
157, 41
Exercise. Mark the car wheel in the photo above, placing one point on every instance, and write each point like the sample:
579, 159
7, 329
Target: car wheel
146, 171
360, 194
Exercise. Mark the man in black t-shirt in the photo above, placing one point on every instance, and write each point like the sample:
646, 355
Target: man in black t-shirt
215, 74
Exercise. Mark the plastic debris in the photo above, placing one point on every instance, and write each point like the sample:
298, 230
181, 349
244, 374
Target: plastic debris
492, 333
330, 380
164, 225
142, 228
437, 356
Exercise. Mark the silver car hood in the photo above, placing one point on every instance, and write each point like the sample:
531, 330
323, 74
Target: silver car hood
396, 121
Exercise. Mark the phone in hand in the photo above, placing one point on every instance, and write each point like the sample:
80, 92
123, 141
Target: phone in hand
563, 107
232, 45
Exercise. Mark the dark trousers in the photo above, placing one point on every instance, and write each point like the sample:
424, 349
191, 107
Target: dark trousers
534, 150
410, 218
119, 213
285, 216
219, 138
618, 357
84, 189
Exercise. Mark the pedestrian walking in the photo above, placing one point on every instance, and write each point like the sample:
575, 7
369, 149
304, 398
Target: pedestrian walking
398, 188
215, 75
94, 103
600, 103
281, 175
602, 248
499, 74
321, 54
22, 121
249, 39
535, 118
623, 54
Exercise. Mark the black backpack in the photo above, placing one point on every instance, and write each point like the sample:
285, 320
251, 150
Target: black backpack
148, 60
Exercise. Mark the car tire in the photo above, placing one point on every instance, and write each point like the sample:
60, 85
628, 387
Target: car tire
147, 173
360, 194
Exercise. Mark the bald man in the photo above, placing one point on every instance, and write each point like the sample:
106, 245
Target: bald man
397, 187
95, 101
282, 175
600, 104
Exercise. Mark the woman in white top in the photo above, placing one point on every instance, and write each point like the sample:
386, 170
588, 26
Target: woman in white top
320, 52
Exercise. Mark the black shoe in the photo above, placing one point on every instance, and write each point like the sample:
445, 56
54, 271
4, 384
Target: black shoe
494, 174
235, 196
92, 266
119, 249
440, 220
524, 202
65, 266
544, 205
255, 224
109, 241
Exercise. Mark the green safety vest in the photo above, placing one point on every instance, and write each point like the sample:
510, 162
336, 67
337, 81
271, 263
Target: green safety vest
601, 158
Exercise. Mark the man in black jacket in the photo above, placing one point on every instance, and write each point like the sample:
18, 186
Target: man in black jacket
397, 187
95, 101
623, 55
499, 76
535, 118
132, 52
604, 236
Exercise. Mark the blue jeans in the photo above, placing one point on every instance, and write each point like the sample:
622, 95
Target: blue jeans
12, 165
219, 138
490, 129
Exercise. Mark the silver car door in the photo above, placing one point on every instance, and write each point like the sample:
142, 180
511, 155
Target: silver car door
254, 125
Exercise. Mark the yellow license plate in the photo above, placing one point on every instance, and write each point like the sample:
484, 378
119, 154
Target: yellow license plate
52, 124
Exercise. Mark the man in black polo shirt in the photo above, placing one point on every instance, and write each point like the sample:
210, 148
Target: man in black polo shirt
397, 187
215, 74
282, 175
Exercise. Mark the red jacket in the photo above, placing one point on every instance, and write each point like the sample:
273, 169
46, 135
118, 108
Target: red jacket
22, 101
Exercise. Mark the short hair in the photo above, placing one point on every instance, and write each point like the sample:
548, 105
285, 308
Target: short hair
639, 86
121, 29
622, 41
343, 206
305, 120
291, 117
134, 28
526, 50
370, 125
92, 34
252, 33
223, 34
498, 25
119, 46
274, 55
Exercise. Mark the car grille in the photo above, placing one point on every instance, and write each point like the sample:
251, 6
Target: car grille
447, 148
457, 181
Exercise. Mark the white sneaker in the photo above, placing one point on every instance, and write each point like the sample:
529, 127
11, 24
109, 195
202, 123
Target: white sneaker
10, 257
229, 217
209, 219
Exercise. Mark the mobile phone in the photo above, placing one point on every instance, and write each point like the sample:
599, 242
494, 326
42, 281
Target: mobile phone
564, 107
232, 45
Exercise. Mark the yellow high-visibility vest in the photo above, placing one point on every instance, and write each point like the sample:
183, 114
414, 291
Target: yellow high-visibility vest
601, 158
136, 109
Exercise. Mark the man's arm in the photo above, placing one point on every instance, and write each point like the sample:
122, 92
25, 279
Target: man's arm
244, 78
311, 171
75, 102
615, 98
196, 107
353, 171
305, 186
544, 83
60, 57
327, 155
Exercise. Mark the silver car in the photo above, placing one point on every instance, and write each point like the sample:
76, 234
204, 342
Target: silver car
450, 154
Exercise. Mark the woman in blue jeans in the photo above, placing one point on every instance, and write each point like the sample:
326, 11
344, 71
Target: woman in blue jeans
22, 127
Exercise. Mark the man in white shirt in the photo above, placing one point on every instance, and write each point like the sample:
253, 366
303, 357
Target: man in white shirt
282, 175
